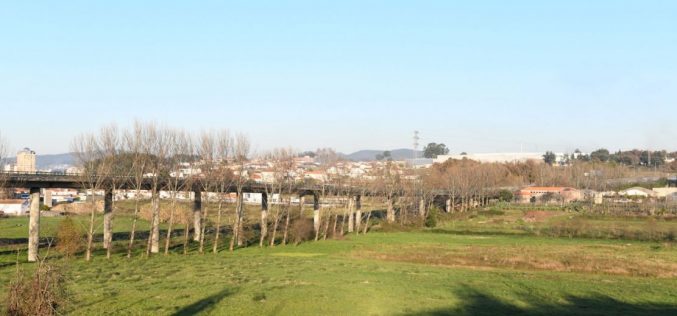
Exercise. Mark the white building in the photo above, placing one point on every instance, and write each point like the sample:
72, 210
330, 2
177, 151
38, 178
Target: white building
499, 157
14, 207
664, 192
637, 192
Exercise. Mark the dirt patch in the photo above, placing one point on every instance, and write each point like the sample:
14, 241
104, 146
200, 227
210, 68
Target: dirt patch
539, 216
568, 259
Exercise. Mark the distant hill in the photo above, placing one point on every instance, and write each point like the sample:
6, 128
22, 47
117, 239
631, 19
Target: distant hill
50, 161
370, 155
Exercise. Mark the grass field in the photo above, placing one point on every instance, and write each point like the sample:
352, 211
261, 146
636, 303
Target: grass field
448, 270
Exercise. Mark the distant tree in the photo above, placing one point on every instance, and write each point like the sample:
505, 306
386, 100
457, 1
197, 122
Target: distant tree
505, 196
386, 155
307, 153
326, 156
549, 158
464, 153
653, 158
433, 150
600, 155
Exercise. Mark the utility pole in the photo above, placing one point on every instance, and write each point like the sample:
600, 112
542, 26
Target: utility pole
416, 140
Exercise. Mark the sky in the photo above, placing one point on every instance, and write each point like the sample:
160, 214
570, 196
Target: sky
479, 76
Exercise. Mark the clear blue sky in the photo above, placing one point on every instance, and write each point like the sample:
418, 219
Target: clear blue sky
480, 76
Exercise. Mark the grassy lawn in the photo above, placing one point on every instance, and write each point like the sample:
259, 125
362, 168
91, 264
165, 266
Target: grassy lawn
430, 272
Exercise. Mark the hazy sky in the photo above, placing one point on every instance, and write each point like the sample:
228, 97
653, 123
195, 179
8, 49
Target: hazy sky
480, 76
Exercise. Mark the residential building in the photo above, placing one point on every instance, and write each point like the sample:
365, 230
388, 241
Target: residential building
26, 161
563, 194
14, 207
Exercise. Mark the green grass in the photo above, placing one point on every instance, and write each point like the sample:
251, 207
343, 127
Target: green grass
408, 273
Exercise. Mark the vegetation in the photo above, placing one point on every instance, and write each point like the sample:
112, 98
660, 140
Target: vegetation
433, 150
492, 261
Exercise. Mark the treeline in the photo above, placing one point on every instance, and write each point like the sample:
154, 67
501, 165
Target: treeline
633, 157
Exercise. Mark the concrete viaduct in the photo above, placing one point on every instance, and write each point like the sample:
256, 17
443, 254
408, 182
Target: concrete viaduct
43, 180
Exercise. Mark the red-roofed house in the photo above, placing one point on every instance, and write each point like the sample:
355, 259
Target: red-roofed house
564, 194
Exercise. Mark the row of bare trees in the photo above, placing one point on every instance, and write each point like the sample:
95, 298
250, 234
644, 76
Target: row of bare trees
158, 158
152, 158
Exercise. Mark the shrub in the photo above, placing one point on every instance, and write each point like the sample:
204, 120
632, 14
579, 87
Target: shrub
42, 293
70, 238
431, 219
302, 230
505, 196
45, 207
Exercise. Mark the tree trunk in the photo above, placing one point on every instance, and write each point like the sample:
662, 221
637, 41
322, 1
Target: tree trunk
351, 216
240, 225
366, 223
326, 226
107, 220
90, 232
358, 215
170, 225
264, 227
236, 224
203, 228
287, 220
343, 222
316, 223
333, 231
276, 223
185, 239
197, 216
134, 220
155, 241
390, 213
215, 248
421, 208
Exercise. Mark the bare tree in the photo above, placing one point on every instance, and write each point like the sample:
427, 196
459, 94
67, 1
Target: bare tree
240, 154
223, 177
96, 168
180, 151
138, 161
109, 142
207, 152
156, 142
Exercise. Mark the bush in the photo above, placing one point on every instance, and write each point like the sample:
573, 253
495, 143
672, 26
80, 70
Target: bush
69, 238
505, 196
431, 219
42, 293
302, 230
45, 207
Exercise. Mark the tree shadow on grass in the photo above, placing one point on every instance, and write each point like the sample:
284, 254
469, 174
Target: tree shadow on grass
204, 304
475, 302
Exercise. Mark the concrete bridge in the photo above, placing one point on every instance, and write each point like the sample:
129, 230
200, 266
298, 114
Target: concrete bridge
48, 180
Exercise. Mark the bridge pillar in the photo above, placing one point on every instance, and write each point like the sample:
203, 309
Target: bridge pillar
34, 225
358, 213
197, 215
264, 217
351, 215
316, 214
47, 197
107, 218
